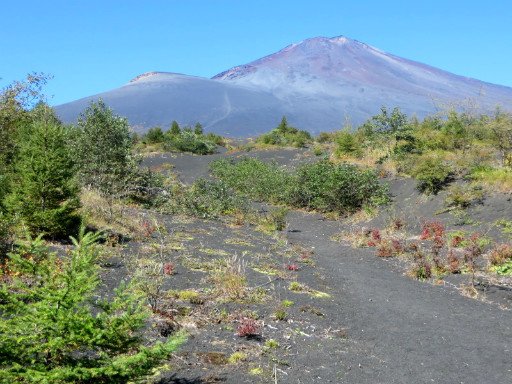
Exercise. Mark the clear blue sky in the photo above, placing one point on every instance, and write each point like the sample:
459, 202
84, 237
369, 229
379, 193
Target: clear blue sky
94, 46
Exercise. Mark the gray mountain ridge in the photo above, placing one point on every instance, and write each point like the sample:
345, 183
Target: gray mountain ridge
319, 84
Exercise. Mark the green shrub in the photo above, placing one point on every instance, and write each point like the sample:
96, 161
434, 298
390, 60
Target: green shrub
285, 135
54, 330
254, 178
432, 174
207, 199
188, 141
340, 188
347, 144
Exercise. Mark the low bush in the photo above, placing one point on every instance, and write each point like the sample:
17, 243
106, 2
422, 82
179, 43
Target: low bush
432, 174
339, 188
254, 178
188, 141
322, 186
207, 199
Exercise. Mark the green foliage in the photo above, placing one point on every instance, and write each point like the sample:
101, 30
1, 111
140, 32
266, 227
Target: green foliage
347, 144
189, 141
322, 186
432, 174
208, 199
44, 192
153, 136
285, 135
254, 178
53, 330
15, 101
340, 188
175, 129
386, 127
198, 129
102, 150
501, 136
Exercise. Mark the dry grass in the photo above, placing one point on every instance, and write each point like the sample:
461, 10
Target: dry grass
112, 215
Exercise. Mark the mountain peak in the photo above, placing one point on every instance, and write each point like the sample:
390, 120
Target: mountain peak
317, 83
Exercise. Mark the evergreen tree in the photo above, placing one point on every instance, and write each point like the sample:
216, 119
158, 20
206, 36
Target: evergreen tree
175, 128
283, 125
198, 129
48, 332
15, 100
43, 189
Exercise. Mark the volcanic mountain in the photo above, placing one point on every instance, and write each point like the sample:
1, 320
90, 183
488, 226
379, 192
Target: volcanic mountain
318, 84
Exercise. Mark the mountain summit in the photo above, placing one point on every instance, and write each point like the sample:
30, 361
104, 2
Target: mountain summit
317, 84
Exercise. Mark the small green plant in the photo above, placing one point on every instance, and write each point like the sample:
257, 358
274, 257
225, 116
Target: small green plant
236, 357
296, 287
272, 343
280, 314
318, 151
256, 371
287, 303
188, 295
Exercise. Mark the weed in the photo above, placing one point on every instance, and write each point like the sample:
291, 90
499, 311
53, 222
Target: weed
248, 326
188, 295
500, 254
287, 303
291, 267
280, 314
236, 357
432, 229
420, 270
296, 287
169, 269
453, 263
272, 343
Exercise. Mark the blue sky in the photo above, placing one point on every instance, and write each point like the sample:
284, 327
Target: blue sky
94, 46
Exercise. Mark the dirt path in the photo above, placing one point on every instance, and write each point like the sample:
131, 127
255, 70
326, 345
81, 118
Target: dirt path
405, 331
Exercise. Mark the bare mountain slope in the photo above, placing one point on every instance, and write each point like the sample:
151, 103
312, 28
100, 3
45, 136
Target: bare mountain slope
317, 83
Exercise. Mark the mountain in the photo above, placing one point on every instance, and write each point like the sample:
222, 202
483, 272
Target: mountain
318, 84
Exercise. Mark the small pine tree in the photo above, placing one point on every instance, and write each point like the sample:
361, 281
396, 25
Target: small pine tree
175, 128
198, 129
283, 125
43, 190
48, 332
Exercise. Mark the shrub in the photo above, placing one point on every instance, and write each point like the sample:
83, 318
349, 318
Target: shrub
254, 178
420, 270
339, 188
347, 144
432, 174
280, 314
500, 254
462, 197
285, 135
189, 141
248, 327
52, 331
207, 199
